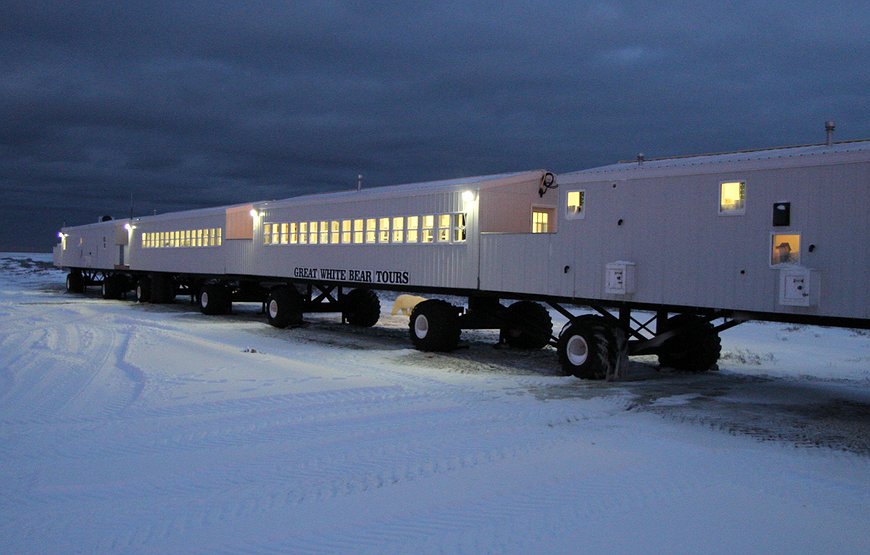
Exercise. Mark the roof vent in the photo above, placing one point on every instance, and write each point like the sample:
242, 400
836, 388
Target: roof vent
829, 130
640, 158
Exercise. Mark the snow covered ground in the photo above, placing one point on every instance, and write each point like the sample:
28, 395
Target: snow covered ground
130, 428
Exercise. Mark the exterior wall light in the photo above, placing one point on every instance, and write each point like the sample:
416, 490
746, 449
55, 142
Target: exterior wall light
254, 213
468, 196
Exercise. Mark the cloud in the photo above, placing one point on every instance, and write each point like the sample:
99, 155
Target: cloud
203, 103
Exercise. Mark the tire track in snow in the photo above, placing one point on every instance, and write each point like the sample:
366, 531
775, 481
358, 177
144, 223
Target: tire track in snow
483, 516
345, 470
55, 371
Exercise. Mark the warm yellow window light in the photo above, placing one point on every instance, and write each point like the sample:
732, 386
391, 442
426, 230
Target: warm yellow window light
785, 248
732, 197
576, 201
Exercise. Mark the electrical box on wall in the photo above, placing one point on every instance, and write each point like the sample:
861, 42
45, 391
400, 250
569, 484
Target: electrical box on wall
798, 286
619, 278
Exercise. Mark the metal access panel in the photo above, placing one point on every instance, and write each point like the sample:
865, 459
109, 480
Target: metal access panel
619, 278
799, 286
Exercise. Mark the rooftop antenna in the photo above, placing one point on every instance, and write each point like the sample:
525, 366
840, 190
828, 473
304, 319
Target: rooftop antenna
131, 205
359, 182
829, 131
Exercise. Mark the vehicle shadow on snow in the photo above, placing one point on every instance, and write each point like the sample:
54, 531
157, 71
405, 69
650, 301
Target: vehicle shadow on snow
803, 412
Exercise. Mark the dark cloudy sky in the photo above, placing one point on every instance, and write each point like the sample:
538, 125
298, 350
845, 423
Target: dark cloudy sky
192, 104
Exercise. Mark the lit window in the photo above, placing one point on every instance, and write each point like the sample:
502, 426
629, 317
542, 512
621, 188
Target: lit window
267, 234
540, 221
294, 233
371, 230
785, 248
276, 234
413, 226
334, 232
345, 231
358, 231
303, 233
732, 197
384, 230
576, 205
459, 233
398, 229
312, 238
444, 228
285, 233
324, 233
219, 232
428, 228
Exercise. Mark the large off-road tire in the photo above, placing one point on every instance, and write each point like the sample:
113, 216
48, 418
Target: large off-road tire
283, 307
528, 325
163, 288
434, 326
695, 348
214, 299
589, 348
112, 287
75, 283
362, 308
143, 289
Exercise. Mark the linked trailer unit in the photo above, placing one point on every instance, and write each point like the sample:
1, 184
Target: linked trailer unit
667, 253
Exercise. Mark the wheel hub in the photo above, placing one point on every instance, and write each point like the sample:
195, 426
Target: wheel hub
577, 350
421, 327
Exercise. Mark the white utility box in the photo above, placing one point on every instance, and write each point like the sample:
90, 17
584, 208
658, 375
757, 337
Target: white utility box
619, 278
798, 286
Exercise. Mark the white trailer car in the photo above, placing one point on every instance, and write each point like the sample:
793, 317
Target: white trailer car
668, 252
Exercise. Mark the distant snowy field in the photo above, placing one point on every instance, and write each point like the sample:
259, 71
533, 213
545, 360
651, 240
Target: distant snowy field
130, 428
